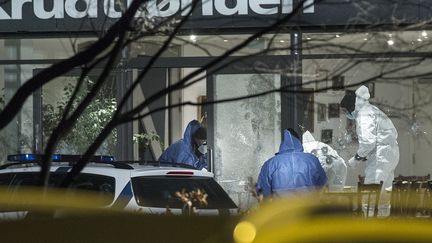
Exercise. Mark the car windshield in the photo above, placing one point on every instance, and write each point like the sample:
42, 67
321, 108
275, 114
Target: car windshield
104, 185
159, 191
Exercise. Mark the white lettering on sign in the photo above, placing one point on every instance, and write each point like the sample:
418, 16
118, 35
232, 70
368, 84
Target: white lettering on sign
257, 7
309, 7
78, 9
56, 12
186, 5
110, 11
207, 8
287, 6
17, 11
90, 11
171, 8
240, 8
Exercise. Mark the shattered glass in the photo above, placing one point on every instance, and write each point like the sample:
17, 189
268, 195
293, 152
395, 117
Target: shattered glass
247, 132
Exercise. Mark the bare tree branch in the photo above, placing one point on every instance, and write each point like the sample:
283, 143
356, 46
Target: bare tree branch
86, 56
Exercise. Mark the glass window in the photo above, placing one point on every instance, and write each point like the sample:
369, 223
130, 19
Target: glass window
367, 42
18, 135
247, 132
52, 48
55, 97
157, 191
215, 45
21, 134
400, 87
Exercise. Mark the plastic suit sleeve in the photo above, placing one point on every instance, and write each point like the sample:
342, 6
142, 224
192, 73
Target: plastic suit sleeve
264, 181
178, 154
340, 169
353, 162
366, 132
190, 159
201, 163
186, 158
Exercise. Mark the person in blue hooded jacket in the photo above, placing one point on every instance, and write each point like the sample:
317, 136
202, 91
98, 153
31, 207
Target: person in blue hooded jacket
290, 170
191, 149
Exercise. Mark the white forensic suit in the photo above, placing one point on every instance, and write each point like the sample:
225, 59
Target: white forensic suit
378, 146
333, 165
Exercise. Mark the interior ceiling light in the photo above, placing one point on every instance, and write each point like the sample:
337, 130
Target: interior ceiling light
192, 38
308, 38
390, 42
365, 39
337, 35
419, 40
281, 41
225, 40
424, 33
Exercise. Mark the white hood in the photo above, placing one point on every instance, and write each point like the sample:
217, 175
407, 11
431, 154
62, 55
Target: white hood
333, 165
362, 97
308, 137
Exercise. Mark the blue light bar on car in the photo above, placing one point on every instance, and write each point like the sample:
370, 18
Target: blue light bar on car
60, 158
56, 157
31, 157
22, 157
106, 158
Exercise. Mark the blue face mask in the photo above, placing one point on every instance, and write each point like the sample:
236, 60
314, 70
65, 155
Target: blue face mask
350, 116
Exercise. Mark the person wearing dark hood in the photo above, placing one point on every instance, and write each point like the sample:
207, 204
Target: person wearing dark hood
291, 170
191, 149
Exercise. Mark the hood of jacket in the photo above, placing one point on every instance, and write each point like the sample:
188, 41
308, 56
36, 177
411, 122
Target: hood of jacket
362, 97
290, 143
308, 137
189, 131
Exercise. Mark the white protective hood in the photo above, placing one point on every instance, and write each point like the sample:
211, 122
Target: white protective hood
377, 138
333, 165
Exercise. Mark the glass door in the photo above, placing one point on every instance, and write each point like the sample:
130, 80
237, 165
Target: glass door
243, 133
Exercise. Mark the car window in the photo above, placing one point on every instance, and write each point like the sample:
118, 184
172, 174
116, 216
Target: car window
159, 191
104, 185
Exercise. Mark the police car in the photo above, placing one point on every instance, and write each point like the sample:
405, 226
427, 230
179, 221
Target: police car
147, 187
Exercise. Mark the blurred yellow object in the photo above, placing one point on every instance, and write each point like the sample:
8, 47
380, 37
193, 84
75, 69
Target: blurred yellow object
244, 232
297, 219
310, 219
79, 217
35, 198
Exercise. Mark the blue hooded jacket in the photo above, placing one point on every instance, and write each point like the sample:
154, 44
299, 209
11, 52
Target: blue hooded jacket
290, 170
183, 152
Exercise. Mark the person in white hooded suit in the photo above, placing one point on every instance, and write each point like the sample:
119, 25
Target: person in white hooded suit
377, 137
333, 165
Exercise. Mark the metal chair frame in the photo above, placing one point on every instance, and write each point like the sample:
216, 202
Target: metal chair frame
368, 191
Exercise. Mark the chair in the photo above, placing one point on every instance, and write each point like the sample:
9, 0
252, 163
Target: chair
361, 178
413, 178
400, 198
428, 199
408, 195
370, 192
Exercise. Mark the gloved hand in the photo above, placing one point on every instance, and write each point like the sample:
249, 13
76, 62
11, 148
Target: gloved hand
359, 158
353, 162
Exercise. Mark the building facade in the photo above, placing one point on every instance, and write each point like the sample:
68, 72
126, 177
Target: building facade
299, 61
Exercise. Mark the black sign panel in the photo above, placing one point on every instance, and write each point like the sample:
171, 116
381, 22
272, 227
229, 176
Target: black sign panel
69, 16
